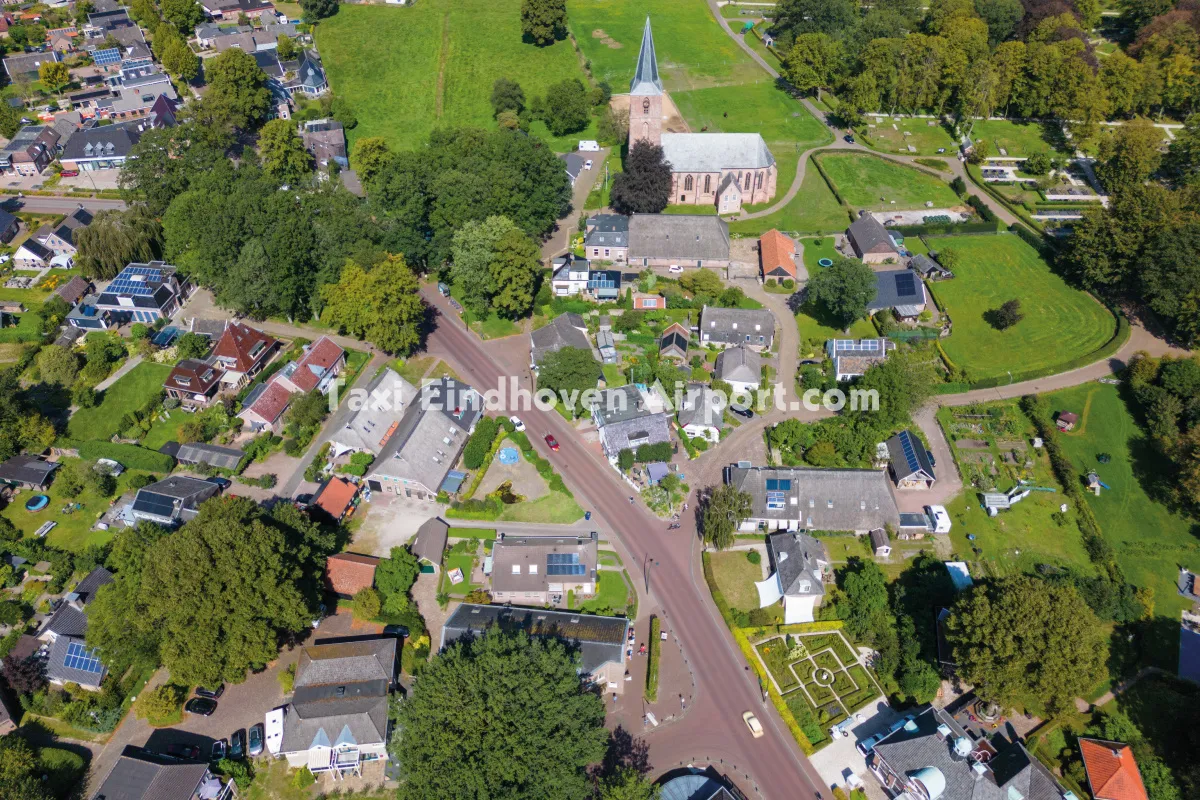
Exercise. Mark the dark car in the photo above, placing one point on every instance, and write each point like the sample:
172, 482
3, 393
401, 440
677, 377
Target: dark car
742, 412
211, 693
849, 138
224, 483
237, 745
218, 750
183, 750
395, 630
256, 739
550, 440
202, 706
303, 501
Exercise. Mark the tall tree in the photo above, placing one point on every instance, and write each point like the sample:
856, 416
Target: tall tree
1129, 155
515, 267
370, 157
567, 107
318, 9
1019, 639
1170, 278
185, 15
844, 290
814, 62
543, 21
383, 305
567, 372
507, 95
283, 155
472, 252
722, 512
117, 238
179, 60
58, 365
834, 17
166, 161
237, 95
1001, 17
645, 185
54, 75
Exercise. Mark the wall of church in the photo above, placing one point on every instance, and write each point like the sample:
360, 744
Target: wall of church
700, 188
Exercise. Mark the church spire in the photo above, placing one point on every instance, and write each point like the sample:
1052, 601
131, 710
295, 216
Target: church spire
645, 80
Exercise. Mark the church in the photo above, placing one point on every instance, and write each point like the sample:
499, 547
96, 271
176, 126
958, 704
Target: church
727, 170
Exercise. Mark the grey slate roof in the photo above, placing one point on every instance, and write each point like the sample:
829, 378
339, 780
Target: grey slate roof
601, 639
893, 289
927, 267
868, 235
822, 499
367, 428
685, 237
633, 433
172, 499
430, 436
56, 664
702, 406
566, 330
607, 230
201, 453
879, 538
67, 620
27, 469
38, 249
104, 142
799, 560
714, 152
620, 404
574, 164
142, 775
646, 80
524, 551
430, 541
739, 364
902, 465
340, 695
87, 588
733, 325
79, 218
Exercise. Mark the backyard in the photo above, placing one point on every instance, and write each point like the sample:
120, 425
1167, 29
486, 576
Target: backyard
134, 390
871, 182
1061, 323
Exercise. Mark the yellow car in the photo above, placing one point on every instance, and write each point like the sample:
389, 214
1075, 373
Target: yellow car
756, 728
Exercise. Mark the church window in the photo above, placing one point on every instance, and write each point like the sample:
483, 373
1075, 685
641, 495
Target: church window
747, 181
646, 106
687, 183
758, 181
707, 184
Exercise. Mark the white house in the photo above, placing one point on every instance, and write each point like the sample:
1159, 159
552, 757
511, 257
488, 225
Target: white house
701, 415
740, 367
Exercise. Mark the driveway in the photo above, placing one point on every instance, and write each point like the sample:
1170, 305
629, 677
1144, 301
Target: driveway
556, 245
836, 759
949, 483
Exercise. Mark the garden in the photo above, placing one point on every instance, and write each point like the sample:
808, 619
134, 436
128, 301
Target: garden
875, 183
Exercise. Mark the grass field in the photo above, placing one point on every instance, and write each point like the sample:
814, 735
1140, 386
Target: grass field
438, 66
1020, 139
1061, 323
754, 107
814, 209
870, 182
884, 133
131, 392
554, 507
735, 577
612, 593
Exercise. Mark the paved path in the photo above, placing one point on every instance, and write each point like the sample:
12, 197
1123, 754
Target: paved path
557, 244
62, 205
121, 372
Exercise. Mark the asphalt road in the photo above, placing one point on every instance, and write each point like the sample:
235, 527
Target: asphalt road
712, 731
59, 205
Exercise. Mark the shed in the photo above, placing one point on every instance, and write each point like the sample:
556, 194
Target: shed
1066, 420
656, 471
211, 454
880, 544
347, 574
27, 471
430, 541
336, 497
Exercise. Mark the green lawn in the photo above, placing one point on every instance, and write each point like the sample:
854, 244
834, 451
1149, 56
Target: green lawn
735, 577
756, 106
1061, 323
887, 135
412, 369
554, 507
1020, 139
813, 322
866, 181
613, 593
813, 210
437, 66
130, 393
466, 563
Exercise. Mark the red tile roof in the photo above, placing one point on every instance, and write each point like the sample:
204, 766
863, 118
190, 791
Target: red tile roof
271, 403
335, 497
349, 573
321, 356
241, 347
776, 252
1112, 770
200, 377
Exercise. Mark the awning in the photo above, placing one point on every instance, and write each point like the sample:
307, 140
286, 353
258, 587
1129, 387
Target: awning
798, 609
453, 481
769, 591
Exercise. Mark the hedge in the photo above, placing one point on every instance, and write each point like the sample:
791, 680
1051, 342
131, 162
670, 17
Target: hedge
976, 202
936, 228
131, 456
652, 659
662, 451
480, 442
497, 438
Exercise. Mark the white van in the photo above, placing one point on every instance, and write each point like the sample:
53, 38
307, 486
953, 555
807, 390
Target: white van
588, 146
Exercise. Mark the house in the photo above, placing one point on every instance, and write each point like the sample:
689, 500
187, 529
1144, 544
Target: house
207, 33
1112, 770
698, 785
325, 140
430, 543
211, 454
606, 344
574, 276
417, 456
316, 370
728, 327
73, 290
143, 293
308, 76
262, 409
573, 165
336, 498
10, 226
678, 240
931, 756
909, 463
24, 66
347, 574
740, 367
801, 568
193, 383
32, 254
673, 343
649, 302
70, 660
373, 422
853, 357
881, 546
171, 501
242, 352
1066, 420
337, 719
777, 255
233, 9
142, 775
929, 269
900, 290
871, 241
61, 238
162, 112
566, 330
606, 237
601, 640
626, 421
541, 570
86, 316
801, 498
28, 472
99, 148
702, 413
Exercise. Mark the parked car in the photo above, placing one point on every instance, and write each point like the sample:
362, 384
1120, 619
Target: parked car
742, 412
237, 745
201, 706
865, 746
190, 751
69, 173
218, 750
256, 739
587, 164
756, 728
849, 138
224, 483
399, 631
550, 440
517, 424
674, 268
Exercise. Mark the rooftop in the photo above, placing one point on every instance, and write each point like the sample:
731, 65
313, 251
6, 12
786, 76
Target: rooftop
821, 499
715, 152
529, 563
685, 237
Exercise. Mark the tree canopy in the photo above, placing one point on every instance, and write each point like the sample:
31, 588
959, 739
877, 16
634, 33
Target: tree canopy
568, 370
725, 508
844, 290
543, 21
283, 155
237, 95
645, 185
117, 238
567, 107
382, 305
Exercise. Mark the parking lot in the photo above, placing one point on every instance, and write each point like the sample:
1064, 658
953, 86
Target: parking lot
834, 761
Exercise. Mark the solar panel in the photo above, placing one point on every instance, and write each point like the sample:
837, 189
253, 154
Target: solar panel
107, 56
910, 455
785, 484
772, 484
905, 284
566, 569
152, 503
80, 658
562, 558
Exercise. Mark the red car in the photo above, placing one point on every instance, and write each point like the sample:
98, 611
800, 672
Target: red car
69, 173
550, 440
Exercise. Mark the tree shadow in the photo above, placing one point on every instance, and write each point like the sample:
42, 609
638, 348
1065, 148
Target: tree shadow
625, 752
1052, 134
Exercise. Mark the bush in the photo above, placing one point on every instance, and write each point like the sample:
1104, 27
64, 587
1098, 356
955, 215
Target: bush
788, 283
160, 706
652, 660
753, 556
480, 442
654, 452
700, 443
367, 604
131, 456
303, 778
959, 186
359, 463
625, 460
287, 679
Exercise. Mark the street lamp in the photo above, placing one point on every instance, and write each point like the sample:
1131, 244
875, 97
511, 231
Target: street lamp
646, 570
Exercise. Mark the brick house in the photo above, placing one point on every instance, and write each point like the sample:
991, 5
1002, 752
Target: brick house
193, 383
242, 352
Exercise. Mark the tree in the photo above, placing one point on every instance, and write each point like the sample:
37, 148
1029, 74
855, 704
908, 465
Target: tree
625, 459
160, 703
25, 675
1129, 155
283, 155
10, 121
1019, 639
318, 9
1007, 315
626, 783
237, 95
814, 62
1001, 17
383, 305
185, 15
1038, 163
614, 126
722, 513
507, 95
179, 60
370, 157
472, 251
21, 771
515, 266
567, 372
117, 238
58, 365
145, 13
538, 740
543, 21
833, 17
396, 574
166, 162
844, 290
308, 410
54, 75
702, 282
645, 185
367, 604
867, 607
568, 108
285, 48
191, 345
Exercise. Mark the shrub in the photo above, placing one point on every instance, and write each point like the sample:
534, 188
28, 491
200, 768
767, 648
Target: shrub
160, 706
303, 778
753, 556
625, 460
788, 283
770, 282
480, 442
287, 679
959, 186
367, 604
654, 452
652, 660
700, 443
359, 463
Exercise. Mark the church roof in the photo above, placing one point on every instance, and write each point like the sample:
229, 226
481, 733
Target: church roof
713, 152
646, 80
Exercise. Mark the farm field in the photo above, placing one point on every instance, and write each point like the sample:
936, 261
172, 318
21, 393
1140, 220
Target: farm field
875, 183
814, 209
130, 393
438, 67
1061, 323
1020, 139
884, 133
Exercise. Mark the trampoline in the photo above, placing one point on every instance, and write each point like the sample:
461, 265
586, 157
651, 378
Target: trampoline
37, 502
507, 455
825, 262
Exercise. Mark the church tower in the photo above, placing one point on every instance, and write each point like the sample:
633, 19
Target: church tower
646, 95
